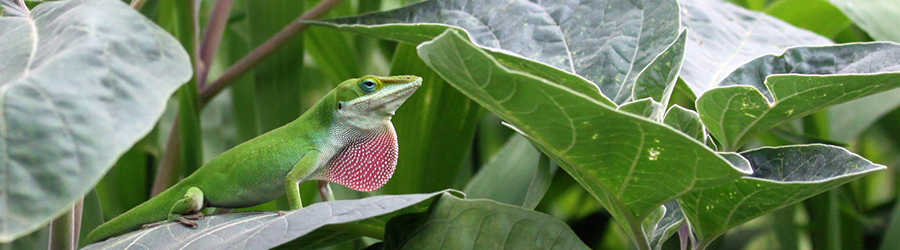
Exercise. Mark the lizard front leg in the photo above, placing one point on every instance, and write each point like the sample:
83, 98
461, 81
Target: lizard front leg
186, 210
305, 167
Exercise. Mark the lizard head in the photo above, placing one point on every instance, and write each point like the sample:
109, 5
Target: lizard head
372, 100
362, 131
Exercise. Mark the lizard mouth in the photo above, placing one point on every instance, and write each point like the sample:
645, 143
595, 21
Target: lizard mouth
390, 97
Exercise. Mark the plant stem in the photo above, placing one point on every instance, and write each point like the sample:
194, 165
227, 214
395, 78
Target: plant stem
138, 4
267, 48
212, 37
79, 208
62, 231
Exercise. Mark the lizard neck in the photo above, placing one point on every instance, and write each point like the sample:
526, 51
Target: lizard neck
365, 159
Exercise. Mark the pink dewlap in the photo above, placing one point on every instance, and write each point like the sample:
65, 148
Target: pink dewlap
365, 165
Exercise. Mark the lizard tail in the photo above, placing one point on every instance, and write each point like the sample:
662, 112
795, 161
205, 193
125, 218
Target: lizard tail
154, 210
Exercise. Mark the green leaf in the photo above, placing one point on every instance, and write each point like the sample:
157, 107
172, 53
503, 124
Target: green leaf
781, 176
515, 175
817, 16
455, 223
646, 107
666, 226
877, 17
724, 36
624, 161
429, 159
775, 89
658, 80
81, 81
262, 230
686, 121
606, 42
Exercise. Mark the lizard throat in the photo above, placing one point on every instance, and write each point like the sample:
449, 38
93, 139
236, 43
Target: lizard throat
365, 164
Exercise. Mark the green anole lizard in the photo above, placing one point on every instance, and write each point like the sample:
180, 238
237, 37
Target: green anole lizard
346, 138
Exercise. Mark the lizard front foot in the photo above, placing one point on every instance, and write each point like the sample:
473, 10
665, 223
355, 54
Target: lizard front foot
189, 220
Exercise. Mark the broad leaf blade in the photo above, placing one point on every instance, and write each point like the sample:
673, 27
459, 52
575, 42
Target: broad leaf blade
724, 36
686, 121
262, 230
455, 223
658, 80
606, 42
81, 82
781, 176
778, 88
623, 160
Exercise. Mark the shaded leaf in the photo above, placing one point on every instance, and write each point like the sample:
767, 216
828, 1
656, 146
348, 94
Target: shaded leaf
261, 230
658, 80
666, 226
606, 42
454, 223
724, 36
514, 175
81, 81
647, 108
876, 17
626, 162
774, 89
687, 121
781, 176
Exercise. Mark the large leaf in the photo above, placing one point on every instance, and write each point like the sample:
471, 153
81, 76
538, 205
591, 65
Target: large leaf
781, 176
877, 17
625, 161
775, 89
81, 82
261, 230
455, 223
606, 42
724, 36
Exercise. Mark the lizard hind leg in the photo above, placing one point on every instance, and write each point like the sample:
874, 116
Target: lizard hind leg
186, 210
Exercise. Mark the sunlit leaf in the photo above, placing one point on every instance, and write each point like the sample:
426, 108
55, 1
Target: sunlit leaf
774, 89
76, 93
606, 42
625, 161
781, 176
722, 37
261, 230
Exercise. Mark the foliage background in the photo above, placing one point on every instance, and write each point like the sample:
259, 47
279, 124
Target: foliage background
446, 138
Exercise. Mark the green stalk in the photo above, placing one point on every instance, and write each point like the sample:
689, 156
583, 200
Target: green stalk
62, 233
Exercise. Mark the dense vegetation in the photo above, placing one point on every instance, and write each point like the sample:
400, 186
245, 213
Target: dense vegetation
750, 124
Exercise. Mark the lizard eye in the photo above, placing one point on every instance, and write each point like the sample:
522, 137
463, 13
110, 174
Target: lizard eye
368, 85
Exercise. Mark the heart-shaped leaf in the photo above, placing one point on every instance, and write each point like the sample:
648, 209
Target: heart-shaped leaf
724, 36
774, 89
631, 164
262, 230
781, 176
606, 42
454, 223
81, 81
